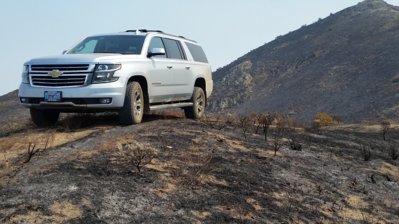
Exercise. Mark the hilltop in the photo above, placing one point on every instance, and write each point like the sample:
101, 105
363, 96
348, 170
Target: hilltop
345, 65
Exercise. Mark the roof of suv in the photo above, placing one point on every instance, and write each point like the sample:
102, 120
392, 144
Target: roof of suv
145, 31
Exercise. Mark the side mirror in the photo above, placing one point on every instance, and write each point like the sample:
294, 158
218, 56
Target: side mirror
64, 51
156, 51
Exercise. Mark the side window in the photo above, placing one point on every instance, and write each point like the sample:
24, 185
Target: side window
173, 49
197, 53
156, 42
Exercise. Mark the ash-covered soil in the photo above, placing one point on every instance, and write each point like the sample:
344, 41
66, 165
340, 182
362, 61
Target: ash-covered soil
200, 171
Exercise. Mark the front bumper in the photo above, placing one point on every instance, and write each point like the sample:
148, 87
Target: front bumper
78, 98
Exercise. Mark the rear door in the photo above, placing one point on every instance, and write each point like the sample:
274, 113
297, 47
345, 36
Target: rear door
181, 78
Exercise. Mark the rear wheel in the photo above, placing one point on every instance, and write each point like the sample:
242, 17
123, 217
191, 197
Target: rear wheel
44, 118
198, 99
133, 108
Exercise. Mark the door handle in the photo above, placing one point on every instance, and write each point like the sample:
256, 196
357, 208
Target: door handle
188, 67
169, 66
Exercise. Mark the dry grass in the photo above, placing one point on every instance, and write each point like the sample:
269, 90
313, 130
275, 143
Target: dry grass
60, 213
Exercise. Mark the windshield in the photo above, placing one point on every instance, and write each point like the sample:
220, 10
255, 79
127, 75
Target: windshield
118, 44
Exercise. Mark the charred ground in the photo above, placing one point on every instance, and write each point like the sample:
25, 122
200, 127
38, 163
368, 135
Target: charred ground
201, 171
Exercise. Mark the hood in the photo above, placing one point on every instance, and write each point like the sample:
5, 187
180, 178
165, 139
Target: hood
82, 58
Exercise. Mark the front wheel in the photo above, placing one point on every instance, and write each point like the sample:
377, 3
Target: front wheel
133, 108
44, 118
198, 99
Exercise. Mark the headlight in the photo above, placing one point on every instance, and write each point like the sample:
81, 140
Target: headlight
25, 74
105, 73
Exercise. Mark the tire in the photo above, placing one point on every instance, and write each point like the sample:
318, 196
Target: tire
133, 108
44, 118
198, 99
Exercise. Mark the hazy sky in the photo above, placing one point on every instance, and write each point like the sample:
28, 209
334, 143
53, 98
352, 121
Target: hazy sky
227, 29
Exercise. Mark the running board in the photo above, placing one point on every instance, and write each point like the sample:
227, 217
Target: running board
173, 105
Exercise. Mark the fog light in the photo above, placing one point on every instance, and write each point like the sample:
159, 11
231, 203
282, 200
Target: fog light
105, 101
24, 100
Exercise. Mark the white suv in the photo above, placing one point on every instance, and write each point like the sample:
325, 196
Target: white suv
132, 72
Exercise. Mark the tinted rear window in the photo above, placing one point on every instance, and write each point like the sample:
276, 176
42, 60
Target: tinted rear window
197, 53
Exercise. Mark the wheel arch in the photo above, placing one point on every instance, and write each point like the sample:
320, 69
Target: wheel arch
200, 82
144, 85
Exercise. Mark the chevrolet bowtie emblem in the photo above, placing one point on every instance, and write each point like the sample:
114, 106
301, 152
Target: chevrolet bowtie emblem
55, 73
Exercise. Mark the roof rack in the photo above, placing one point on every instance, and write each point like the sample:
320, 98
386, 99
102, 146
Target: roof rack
144, 31
157, 31
187, 39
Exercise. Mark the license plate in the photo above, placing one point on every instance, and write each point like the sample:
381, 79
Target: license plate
52, 96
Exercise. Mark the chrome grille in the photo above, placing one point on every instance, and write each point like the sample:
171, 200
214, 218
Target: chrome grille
64, 80
72, 75
66, 68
